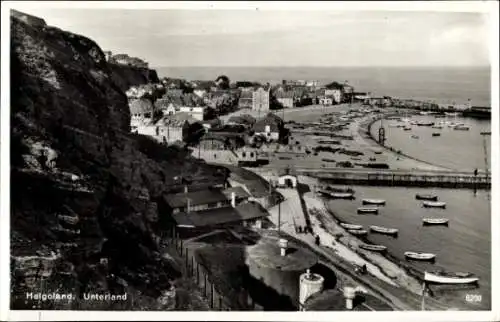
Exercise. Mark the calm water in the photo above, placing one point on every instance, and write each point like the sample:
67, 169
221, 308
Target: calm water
460, 150
442, 85
462, 246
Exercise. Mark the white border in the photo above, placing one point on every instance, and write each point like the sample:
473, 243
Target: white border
449, 6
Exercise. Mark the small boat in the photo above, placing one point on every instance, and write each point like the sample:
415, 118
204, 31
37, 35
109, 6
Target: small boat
437, 127
461, 128
384, 230
485, 133
351, 226
379, 202
435, 221
414, 136
450, 278
342, 195
368, 210
373, 159
426, 197
373, 248
436, 134
425, 123
407, 128
378, 151
434, 204
420, 256
357, 232
451, 113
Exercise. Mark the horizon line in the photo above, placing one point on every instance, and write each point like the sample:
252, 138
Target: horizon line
325, 66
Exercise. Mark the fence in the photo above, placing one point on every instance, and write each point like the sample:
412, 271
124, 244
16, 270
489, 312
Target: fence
219, 294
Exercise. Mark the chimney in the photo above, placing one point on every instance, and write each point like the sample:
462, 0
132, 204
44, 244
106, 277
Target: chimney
233, 199
349, 294
185, 189
283, 246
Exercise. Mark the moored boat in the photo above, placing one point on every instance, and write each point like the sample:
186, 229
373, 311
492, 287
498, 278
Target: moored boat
450, 278
420, 256
461, 128
357, 232
384, 230
426, 197
434, 204
437, 127
407, 128
368, 210
436, 134
414, 136
485, 133
422, 123
435, 221
341, 195
378, 202
373, 248
351, 226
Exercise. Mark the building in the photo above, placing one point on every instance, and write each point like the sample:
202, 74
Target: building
335, 94
260, 100
167, 106
249, 214
287, 180
141, 112
269, 128
170, 129
286, 98
196, 112
200, 92
246, 99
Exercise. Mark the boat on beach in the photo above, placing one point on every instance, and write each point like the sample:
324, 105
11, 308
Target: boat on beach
368, 210
384, 230
435, 221
426, 197
342, 195
351, 226
378, 202
434, 204
420, 256
373, 248
442, 277
357, 232
461, 128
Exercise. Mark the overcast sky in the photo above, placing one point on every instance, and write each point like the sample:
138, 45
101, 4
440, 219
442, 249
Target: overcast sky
282, 38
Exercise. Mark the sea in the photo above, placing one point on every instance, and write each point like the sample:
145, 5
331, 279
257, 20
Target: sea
465, 245
442, 85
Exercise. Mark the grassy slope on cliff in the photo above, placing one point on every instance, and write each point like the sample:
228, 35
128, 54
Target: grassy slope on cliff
87, 221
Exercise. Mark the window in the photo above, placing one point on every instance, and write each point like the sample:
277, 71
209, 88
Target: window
243, 154
251, 154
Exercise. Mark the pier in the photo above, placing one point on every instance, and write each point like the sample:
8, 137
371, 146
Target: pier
400, 178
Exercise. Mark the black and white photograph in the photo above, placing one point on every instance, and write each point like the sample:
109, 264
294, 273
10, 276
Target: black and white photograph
304, 161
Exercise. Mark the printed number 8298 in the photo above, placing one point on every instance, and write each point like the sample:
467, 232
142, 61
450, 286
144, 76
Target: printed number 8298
473, 298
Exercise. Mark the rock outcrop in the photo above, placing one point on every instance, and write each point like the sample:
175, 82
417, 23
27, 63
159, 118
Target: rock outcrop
85, 194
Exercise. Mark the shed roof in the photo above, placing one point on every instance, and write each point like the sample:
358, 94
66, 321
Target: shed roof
178, 200
238, 191
211, 217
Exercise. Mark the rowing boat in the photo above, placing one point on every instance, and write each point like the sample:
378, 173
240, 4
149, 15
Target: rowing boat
435, 221
379, 202
358, 232
373, 248
351, 226
450, 278
420, 256
368, 210
426, 197
434, 204
342, 195
384, 230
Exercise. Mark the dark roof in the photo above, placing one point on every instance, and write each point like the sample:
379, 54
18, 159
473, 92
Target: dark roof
211, 217
196, 198
260, 126
238, 191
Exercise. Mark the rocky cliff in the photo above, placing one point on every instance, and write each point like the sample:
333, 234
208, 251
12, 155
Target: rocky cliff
85, 193
127, 76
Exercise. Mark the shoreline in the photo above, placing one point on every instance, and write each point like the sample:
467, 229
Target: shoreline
368, 136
